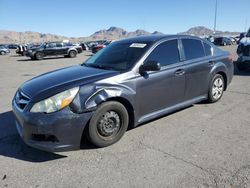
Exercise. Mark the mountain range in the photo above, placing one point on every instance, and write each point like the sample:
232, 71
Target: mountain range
113, 33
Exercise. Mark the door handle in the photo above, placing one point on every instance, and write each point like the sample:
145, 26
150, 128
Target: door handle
179, 72
210, 63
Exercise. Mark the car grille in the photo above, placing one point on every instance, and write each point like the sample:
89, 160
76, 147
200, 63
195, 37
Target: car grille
21, 100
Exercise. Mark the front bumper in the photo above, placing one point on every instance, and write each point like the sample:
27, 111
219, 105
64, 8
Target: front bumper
59, 131
29, 54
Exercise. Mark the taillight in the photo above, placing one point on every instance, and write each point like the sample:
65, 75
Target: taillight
230, 58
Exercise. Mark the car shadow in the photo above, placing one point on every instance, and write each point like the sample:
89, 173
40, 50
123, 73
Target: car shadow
44, 59
11, 145
15, 56
162, 116
238, 72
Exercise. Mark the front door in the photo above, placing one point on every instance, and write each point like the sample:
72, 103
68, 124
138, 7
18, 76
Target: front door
161, 89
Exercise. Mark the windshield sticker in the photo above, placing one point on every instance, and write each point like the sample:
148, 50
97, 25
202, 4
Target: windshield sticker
137, 45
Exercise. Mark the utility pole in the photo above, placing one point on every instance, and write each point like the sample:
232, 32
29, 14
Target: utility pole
215, 17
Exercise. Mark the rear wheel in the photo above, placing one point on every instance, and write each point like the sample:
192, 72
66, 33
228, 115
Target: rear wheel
72, 54
2, 53
216, 88
108, 124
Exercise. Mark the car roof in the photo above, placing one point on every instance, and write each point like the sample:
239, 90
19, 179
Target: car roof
155, 38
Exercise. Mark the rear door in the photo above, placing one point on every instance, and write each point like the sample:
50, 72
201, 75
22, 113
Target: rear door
198, 62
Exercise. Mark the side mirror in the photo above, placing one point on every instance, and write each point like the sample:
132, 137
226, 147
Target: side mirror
150, 66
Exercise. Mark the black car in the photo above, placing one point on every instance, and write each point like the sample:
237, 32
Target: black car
126, 84
54, 49
222, 41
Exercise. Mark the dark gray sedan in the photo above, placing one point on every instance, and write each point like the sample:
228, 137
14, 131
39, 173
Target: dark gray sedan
128, 83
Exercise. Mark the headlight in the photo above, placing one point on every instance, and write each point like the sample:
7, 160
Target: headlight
56, 102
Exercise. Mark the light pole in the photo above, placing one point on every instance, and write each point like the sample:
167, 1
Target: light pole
215, 17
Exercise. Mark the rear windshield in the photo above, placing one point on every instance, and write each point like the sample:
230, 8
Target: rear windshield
118, 56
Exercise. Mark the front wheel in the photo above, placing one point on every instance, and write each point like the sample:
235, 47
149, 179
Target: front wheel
2, 53
39, 56
216, 88
108, 124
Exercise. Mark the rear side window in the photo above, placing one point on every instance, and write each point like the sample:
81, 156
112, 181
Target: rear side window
166, 53
193, 48
208, 49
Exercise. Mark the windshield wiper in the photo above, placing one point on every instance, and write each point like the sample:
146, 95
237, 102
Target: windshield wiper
99, 66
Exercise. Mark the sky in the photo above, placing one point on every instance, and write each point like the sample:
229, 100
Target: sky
76, 18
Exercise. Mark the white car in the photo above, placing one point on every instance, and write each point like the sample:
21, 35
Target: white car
4, 50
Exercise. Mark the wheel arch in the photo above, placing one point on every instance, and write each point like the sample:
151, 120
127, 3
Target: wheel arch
72, 49
128, 106
223, 74
219, 68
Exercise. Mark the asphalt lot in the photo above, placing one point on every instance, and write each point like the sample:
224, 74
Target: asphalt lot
205, 145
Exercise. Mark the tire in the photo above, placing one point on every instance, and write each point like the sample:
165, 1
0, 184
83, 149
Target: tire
39, 56
216, 88
224, 44
72, 54
2, 53
108, 124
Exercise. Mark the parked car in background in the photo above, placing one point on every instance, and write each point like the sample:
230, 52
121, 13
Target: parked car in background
222, 41
126, 84
13, 46
84, 46
21, 50
54, 49
4, 50
233, 40
100, 46
243, 52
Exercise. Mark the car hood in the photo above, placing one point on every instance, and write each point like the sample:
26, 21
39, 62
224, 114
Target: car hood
51, 83
245, 41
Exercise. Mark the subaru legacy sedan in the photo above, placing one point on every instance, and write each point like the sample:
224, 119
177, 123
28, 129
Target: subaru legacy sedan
129, 82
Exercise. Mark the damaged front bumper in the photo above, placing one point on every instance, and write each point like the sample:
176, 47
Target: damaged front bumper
58, 131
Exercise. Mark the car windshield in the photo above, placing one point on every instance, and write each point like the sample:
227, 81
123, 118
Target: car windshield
118, 56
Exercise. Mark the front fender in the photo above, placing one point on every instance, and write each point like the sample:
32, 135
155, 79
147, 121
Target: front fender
90, 97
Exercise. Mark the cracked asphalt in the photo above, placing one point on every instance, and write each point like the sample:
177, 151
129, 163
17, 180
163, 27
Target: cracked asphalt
203, 146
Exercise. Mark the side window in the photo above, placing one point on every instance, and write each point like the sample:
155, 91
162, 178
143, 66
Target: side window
166, 53
208, 49
59, 45
193, 48
51, 45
